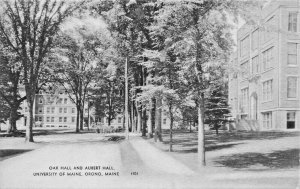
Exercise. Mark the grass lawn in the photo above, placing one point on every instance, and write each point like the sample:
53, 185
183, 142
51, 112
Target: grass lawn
240, 150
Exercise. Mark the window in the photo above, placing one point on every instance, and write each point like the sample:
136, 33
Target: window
53, 110
48, 109
164, 121
244, 100
119, 120
290, 118
292, 53
267, 90
73, 110
40, 110
267, 58
60, 110
52, 119
292, 22
41, 100
59, 101
73, 119
65, 119
245, 69
65, 101
245, 46
292, 87
48, 119
60, 119
26, 109
267, 120
65, 110
255, 40
255, 65
40, 118
269, 29
36, 118
48, 99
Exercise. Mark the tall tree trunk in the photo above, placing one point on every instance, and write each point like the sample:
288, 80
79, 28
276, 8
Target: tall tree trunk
81, 118
171, 129
150, 129
29, 134
12, 127
144, 122
139, 117
133, 121
78, 119
158, 135
201, 142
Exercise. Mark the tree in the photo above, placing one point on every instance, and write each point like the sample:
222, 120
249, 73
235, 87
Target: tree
81, 56
216, 107
10, 78
199, 33
109, 97
128, 22
27, 29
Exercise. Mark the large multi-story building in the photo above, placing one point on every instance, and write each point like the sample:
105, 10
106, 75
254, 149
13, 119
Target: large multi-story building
265, 92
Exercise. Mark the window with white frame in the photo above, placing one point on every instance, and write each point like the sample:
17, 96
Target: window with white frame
40, 110
267, 90
292, 54
65, 110
244, 100
292, 22
60, 119
53, 110
65, 119
52, 119
40, 118
255, 39
48, 119
60, 110
255, 65
267, 120
41, 100
119, 120
65, 101
73, 110
291, 119
48, 109
73, 119
245, 46
268, 58
269, 29
245, 69
292, 87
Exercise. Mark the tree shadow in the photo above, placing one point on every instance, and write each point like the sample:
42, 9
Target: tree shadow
258, 161
8, 153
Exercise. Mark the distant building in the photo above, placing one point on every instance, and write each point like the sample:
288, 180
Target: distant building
264, 93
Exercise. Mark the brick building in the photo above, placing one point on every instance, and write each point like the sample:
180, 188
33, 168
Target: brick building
264, 92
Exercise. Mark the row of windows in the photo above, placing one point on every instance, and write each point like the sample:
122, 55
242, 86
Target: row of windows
51, 100
269, 31
267, 120
52, 119
119, 120
267, 59
267, 91
52, 110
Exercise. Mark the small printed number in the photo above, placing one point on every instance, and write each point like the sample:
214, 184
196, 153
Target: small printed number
134, 173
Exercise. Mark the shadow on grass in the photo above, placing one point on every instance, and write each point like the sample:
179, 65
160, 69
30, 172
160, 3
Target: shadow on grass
207, 148
274, 160
8, 153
